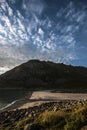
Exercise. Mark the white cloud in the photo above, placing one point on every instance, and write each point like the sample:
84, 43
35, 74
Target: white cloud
12, 1
73, 14
33, 6
3, 70
81, 16
30, 37
41, 33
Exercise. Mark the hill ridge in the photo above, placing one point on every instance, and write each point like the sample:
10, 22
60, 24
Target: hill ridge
36, 74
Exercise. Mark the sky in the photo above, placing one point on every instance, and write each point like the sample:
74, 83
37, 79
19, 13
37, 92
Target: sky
54, 30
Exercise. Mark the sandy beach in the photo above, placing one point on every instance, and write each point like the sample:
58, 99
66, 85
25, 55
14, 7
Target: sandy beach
39, 97
57, 96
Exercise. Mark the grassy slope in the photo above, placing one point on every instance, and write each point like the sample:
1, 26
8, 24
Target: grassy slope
71, 118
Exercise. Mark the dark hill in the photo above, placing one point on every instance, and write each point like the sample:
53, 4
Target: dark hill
37, 74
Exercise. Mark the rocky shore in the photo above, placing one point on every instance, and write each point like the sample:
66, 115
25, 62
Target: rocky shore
23, 113
10, 118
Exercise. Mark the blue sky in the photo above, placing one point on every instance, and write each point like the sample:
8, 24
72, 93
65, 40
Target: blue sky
54, 30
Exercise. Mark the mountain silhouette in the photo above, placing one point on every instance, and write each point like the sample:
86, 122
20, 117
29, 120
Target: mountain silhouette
36, 74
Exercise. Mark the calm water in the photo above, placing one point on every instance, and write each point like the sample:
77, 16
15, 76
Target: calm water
7, 96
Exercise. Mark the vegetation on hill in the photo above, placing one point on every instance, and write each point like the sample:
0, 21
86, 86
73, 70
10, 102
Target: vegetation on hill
37, 74
73, 117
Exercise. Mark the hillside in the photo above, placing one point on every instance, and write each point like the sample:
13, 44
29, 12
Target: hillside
37, 74
62, 115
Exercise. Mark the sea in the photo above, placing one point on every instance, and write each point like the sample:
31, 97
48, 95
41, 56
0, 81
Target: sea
9, 96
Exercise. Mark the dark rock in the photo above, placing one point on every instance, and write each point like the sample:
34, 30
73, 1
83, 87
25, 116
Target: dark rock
34, 127
10, 118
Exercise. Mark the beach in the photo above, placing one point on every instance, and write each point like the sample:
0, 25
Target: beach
39, 97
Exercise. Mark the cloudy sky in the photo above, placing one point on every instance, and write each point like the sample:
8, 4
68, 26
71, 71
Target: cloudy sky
54, 30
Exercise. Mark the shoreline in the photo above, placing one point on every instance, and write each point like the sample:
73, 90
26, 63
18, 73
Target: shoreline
59, 90
8, 105
40, 97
